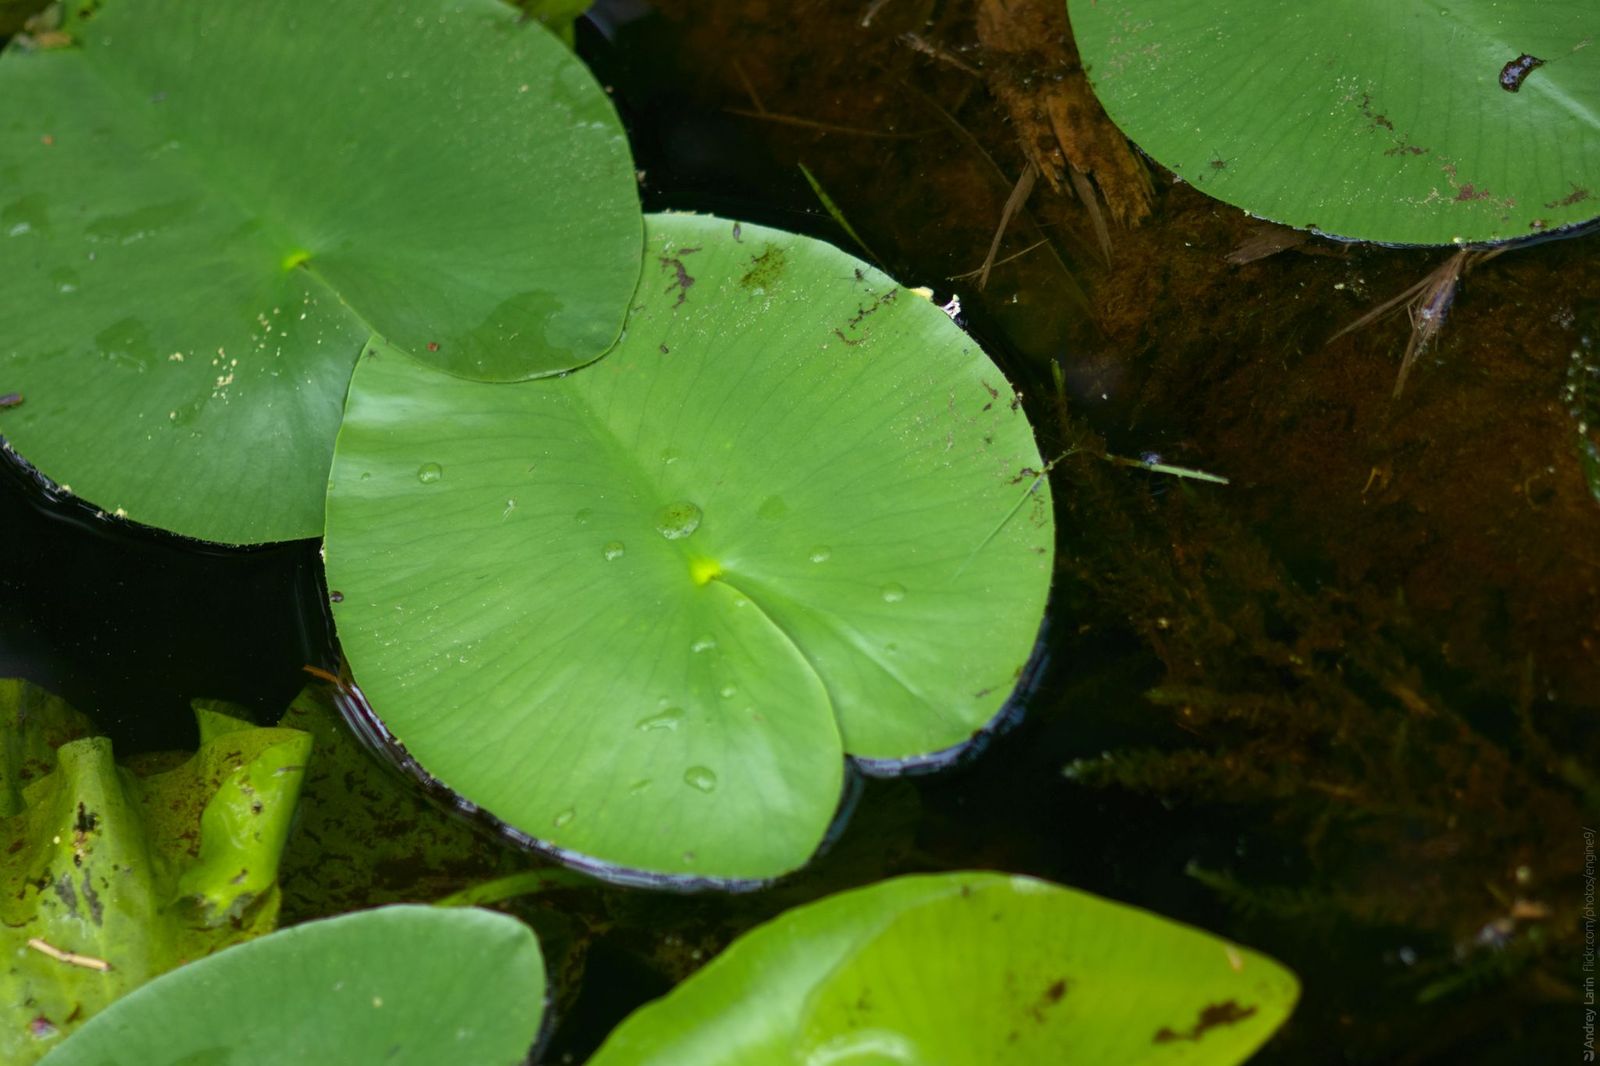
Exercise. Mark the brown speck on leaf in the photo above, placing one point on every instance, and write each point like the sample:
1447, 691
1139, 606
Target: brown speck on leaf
682, 280
10, 399
433, 346
1578, 195
336, 596
665, 350
1212, 1016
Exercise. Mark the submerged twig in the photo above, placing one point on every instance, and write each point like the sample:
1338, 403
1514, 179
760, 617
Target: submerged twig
821, 127
1427, 302
836, 214
1019, 196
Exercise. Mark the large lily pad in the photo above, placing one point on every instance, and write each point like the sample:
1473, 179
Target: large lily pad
111, 878
641, 613
206, 209
401, 986
965, 968
1471, 121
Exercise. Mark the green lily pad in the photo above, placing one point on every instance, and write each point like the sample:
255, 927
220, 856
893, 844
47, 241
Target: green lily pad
205, 210
965, 968
112, 878
643, 612
402, 986
1468, 122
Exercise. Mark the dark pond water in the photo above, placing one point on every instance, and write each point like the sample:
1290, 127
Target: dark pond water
1339, 709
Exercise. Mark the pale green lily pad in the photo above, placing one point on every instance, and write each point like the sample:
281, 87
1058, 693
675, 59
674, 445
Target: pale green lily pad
398, 986
1366, 119
205, 210
642, 613
965, 968
111, 878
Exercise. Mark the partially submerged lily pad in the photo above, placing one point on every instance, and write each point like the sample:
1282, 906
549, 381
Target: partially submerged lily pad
111, 878
205, 210
642, 613
1469, 122
965, 968
402, 986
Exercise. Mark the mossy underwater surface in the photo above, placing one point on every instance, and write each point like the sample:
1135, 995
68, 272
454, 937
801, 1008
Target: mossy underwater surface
1339, 709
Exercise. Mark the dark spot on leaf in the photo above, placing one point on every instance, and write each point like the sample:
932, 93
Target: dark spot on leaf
840, 334
336, 596
66, 893
92, 898
738, 233
1053, 994
1212, 1016
87, 820
665, 350
1512, 73
681, 278
766, 269
433, 346
1578, 195
10, 399
1470, 191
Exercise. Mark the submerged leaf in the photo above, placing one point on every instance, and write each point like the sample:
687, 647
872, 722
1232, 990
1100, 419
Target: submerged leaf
207, 209
965, 968
111, 878
367, 836
641, 613
402, 986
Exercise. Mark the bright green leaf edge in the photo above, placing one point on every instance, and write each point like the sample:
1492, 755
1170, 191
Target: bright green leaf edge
961, 968
403, 986
128, 875
1369, 119
206, 210
640, 614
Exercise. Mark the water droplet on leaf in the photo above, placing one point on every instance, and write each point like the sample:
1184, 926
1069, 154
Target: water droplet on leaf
614, 550
428, 473
667, 719
821, 553
893, 592
703, 644
700, 777
678, 520
564, 817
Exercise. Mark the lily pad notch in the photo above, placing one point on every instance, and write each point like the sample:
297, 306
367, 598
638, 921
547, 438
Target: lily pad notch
641, 614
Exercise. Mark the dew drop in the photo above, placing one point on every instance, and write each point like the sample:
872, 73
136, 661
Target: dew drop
703, 644
614, 550
728, 692
678, 520
700, 777
564, 817
668, 719
583, 515
772, 509
893, 592
639, 785
670, 455
821, 553
428, 473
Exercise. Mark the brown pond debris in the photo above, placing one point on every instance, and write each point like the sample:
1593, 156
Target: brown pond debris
1032, 68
